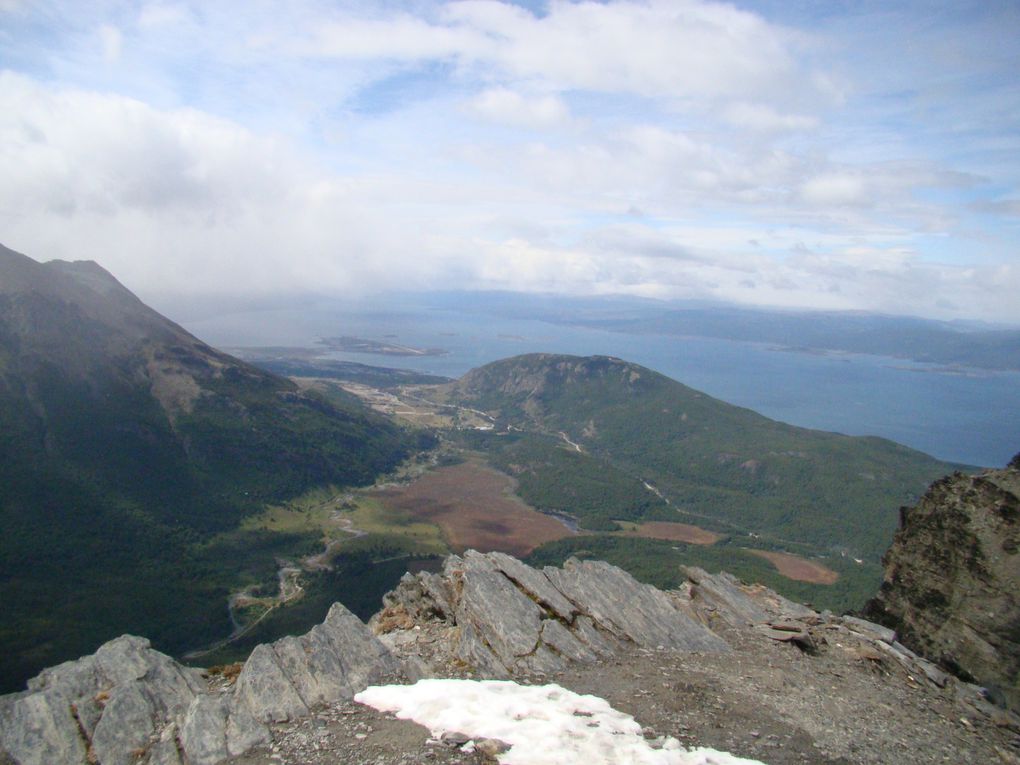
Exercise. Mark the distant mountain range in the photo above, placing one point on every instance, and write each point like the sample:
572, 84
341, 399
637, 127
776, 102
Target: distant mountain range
129, 452
904, 337
956, 343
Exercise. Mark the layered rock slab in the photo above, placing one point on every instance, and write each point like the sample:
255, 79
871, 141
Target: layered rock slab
510, 618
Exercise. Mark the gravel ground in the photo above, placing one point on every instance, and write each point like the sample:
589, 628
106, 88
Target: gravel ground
772, 701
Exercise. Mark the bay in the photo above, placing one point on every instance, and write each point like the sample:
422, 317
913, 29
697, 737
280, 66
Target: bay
969, 416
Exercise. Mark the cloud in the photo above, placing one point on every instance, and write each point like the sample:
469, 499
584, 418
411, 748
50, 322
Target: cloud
663, 148
111, 40
676, 49
835, 189
509, 107
762, 117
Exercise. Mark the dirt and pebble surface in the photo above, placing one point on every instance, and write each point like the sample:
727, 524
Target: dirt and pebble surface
841, 703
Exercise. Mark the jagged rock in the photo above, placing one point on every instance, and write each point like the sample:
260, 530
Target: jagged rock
510, 618
627, 608
203, 733
39, 729
127, 703
534, 584
334, 660
111, 702
952, 579
506, 619
724, 595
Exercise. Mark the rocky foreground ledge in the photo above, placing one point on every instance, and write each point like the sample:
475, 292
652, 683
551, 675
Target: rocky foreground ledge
713, 660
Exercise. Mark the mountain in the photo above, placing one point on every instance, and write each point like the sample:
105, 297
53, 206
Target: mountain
129, 452
924, 340
952, 577
650, 448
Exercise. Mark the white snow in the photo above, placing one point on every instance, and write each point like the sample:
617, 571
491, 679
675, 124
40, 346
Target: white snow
544, 724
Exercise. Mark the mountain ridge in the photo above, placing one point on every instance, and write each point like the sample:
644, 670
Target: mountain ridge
129, 450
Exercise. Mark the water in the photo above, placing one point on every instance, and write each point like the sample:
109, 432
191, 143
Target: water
971, 417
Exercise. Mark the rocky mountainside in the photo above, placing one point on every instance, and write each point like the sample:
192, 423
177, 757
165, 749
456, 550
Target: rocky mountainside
125, 445
688, 456
714, 663
951, 578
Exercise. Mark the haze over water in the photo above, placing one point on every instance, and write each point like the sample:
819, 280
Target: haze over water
970, 415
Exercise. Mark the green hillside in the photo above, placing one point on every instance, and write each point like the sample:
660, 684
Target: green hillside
129, 452
715, 465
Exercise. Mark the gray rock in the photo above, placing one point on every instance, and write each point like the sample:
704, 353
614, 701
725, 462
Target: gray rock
244, 732
265, 689
562, 641
364, 659
38, 729
952, 576
204, 731
127, 723
164, 751
113, 701
869, 629
503, 617
723, 593
332, 661
473, 651
628, 608
534, 583
603, 644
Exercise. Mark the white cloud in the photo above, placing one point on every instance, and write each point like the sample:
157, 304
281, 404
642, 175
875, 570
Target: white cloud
157, 15
111, 40
765, 118
506, 106
597, 147
835, 189
676, 49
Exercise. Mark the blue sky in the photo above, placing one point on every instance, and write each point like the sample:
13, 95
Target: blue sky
861, 156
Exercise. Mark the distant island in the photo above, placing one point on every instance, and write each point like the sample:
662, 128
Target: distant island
359, 345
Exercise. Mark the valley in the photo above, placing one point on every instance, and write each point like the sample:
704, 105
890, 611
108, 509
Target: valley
211, 504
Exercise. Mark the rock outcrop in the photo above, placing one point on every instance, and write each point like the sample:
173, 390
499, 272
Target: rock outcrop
483, 616
505, 618
952, 579
129, 704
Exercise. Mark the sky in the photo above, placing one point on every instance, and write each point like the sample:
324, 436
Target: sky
833, 155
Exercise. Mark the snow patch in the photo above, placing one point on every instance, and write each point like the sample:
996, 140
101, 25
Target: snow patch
544, 724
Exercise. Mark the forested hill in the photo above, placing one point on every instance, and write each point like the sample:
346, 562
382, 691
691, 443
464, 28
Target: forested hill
126, 444
715, 465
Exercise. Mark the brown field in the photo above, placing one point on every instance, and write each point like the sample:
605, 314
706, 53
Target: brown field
795, 567
674, 532
474, 507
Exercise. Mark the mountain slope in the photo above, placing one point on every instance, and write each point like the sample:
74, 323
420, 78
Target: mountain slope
124, 444
717, 465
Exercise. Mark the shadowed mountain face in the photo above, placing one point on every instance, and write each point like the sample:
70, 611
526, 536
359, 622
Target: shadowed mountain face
125, 443
717, 465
